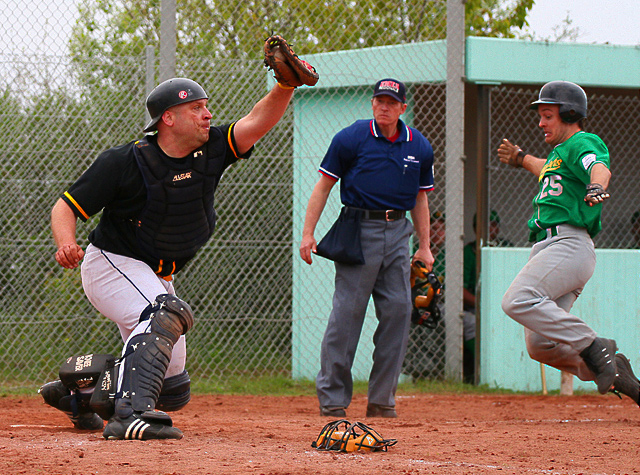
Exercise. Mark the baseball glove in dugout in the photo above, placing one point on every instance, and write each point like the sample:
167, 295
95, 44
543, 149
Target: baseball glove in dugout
426, 292
288, 69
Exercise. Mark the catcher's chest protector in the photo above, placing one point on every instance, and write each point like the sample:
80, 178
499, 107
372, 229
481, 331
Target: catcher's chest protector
178, 218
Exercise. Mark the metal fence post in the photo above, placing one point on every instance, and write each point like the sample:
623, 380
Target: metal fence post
150, 69
454, 194
167, 39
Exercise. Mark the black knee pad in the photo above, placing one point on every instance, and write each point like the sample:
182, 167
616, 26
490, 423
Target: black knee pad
174, 304
175, 392
173, 319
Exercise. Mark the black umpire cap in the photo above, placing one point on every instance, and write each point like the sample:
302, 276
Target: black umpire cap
390, 87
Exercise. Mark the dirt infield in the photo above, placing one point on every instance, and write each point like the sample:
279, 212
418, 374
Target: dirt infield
442, 434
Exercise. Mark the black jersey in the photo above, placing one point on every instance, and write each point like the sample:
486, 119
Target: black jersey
114, 185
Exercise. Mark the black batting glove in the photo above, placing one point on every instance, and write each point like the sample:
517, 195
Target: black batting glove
595, 194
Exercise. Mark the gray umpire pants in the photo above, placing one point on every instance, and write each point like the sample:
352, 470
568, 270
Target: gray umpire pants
385, 276
544, 291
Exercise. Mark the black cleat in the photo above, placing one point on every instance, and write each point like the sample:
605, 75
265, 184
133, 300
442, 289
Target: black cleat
333, 411
376, 410
142, 426
75, 406
626, 382
600, 359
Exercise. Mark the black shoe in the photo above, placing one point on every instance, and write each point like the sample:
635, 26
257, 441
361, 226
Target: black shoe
333, 411
376, 410
142, 426
600, 359
75, 406
626, 382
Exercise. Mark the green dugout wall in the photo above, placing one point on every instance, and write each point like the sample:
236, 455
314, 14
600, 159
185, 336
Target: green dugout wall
609, 303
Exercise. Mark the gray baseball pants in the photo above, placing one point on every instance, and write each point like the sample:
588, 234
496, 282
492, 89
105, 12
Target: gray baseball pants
385, 276
542, 294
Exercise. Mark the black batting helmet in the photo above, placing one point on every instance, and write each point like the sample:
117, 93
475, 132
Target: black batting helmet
171, 93
569, 96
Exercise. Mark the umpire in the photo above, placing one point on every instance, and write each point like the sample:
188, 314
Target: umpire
156, 195
385, 168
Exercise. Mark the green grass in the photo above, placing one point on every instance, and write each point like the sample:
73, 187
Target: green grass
33, 391
283, 386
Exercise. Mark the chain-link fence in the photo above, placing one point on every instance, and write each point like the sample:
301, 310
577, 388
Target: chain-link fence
74, 78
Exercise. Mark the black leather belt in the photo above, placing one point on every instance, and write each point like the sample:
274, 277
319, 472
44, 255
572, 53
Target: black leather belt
385, 215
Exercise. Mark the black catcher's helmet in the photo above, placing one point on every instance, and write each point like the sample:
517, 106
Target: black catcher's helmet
569, 96
171, 93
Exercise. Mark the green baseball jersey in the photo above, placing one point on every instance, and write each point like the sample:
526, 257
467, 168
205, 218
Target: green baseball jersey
563, 181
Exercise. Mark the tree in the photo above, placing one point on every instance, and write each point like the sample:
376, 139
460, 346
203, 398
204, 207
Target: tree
228, 29
496, 18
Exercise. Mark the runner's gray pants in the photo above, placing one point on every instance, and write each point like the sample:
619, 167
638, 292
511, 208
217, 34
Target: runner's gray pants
542, 294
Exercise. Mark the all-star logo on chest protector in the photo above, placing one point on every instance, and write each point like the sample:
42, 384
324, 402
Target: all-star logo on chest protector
179, 217
182, 176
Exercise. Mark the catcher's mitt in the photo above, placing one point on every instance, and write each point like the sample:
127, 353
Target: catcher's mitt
342, 436
288, 69
426, 292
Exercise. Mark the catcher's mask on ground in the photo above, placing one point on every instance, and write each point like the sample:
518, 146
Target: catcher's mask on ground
343, 436
171, 93
569, 96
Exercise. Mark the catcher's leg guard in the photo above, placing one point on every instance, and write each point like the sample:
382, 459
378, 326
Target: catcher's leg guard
104, 393
145, 368
175, 392
145, 363
76, 373
75, 405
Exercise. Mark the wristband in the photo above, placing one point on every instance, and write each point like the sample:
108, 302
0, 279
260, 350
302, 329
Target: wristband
286, 88
520, 157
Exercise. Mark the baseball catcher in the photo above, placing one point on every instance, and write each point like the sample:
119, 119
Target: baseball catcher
156, 214
288, 69
343, 436
426, 292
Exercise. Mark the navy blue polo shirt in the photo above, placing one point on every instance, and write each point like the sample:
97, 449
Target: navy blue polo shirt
376, 173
